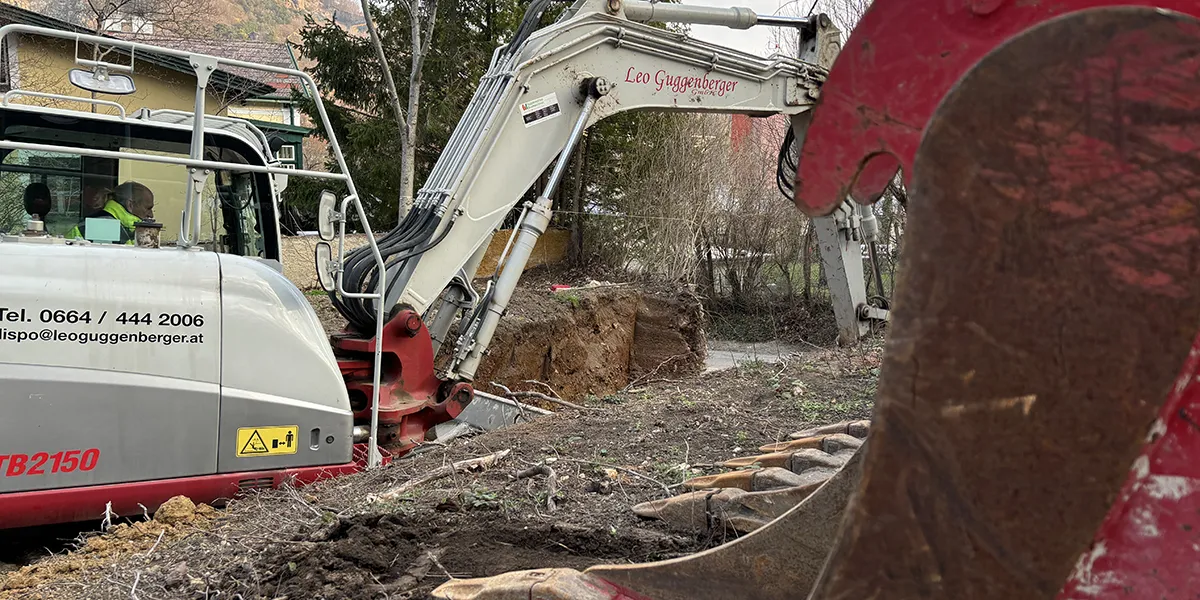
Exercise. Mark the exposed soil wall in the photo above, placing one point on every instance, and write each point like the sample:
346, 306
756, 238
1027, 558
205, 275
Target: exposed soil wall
579, 344
589, 341
669, 337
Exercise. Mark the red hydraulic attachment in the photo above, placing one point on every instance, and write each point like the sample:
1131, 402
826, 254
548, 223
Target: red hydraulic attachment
412, 399
1036, 432
1072, 158
899, 62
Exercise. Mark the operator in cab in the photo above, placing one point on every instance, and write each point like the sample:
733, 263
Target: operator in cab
129, 204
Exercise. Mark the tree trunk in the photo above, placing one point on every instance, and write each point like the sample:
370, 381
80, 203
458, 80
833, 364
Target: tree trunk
420, 49
401, 125
575, 254
807, 260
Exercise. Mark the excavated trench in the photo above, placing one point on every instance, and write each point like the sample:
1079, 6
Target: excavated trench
587, 340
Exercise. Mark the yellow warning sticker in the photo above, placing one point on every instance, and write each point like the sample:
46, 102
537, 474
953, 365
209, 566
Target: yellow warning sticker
267, 441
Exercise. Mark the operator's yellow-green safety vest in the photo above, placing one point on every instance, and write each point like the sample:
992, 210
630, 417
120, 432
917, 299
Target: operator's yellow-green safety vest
118, 212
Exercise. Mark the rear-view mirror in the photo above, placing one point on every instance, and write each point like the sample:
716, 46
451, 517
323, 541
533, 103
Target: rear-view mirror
324, 257
325, 215
102, 82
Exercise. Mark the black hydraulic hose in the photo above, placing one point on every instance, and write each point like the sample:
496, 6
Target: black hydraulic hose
785, 172
414, 235
360, 266
529, 24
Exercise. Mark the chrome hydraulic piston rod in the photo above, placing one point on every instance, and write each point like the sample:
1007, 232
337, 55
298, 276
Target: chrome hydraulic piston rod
532, 226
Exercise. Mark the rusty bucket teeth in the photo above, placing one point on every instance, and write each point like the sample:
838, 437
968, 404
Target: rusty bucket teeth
543, 584
828, 443
857, 429
750, 480
775, 459
800, 444
686, 512
742, 480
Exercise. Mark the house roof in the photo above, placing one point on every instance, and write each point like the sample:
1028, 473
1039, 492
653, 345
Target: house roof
223, 79
265, 125
268, 53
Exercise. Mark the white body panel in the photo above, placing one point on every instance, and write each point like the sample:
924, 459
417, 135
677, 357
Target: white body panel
183, 348
43, 279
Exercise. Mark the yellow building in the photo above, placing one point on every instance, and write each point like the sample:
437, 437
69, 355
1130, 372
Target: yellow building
40, 64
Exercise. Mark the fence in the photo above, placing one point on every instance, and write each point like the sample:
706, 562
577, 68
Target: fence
300, 266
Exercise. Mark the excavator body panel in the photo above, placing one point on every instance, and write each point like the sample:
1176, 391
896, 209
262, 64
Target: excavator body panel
121, 365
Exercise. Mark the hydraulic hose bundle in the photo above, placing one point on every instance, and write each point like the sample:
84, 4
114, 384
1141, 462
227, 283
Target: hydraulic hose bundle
785, 171
417, 232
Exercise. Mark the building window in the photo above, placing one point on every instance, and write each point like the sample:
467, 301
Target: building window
287, 152
287, 165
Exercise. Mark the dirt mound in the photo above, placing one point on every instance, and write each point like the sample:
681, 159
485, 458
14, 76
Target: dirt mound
579, 343
173, 520
363, 552
331, 540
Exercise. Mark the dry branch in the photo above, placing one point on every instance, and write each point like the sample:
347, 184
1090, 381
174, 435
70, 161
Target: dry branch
551, 483
462, 466
511, 395
623, 470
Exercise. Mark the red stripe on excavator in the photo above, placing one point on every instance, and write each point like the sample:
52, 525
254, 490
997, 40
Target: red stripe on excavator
66, 505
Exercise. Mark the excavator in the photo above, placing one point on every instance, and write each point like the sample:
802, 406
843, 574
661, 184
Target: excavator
177, 359
1036, 411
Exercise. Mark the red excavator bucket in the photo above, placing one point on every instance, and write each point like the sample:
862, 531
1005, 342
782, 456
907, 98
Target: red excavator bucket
1037, 425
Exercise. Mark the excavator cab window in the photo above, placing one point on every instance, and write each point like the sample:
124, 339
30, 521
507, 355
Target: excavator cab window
236, 205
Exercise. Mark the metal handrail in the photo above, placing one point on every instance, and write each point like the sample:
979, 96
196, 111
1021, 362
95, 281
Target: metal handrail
373, 457
171, 160
13, 93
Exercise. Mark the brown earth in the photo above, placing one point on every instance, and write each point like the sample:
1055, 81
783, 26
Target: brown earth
588, 341
330, 540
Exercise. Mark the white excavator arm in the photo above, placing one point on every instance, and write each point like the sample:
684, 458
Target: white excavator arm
540, 93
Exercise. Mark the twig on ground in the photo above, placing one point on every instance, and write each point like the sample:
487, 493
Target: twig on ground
438, 564
520, 407
108, 515
156, 542
551, 399
622, 469
482, 462
652, 371
545, 385
145, 511
551, 483
294, 494
514, 395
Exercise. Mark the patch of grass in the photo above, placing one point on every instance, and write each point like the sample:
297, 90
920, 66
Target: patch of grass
572, 299
832, 410
315, 293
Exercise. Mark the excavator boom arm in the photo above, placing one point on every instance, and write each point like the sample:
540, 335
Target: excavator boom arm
539, 93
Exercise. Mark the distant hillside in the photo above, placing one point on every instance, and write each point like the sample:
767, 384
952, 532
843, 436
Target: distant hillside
279, 20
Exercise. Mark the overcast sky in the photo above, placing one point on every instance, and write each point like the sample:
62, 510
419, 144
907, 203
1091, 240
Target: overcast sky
756, 40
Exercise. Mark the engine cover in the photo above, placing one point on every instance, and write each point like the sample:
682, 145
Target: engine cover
122, 364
